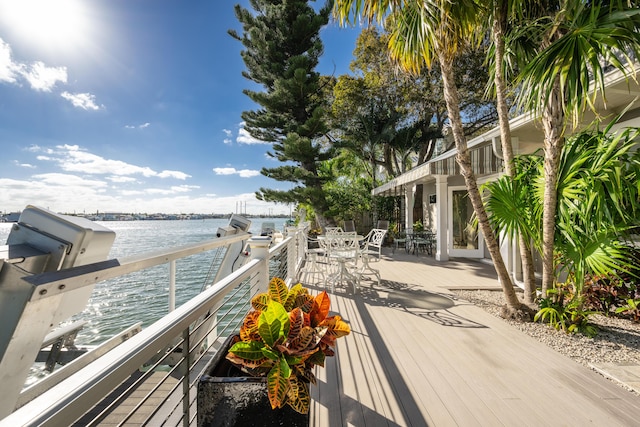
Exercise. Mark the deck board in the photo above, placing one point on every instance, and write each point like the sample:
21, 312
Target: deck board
418, 356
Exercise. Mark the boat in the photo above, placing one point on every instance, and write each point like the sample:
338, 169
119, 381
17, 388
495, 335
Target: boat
48, 269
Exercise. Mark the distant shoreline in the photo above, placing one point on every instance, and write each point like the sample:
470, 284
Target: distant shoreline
108, 216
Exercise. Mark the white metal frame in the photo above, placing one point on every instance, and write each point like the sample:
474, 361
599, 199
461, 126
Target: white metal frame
73, 397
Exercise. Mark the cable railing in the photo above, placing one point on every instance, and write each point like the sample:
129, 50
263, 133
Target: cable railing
151, 378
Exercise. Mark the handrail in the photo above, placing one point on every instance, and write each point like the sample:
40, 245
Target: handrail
69, 399
72, 397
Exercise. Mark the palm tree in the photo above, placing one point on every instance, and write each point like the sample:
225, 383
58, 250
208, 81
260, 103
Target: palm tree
596, 206
424, 31
499, 13
577, 41
515, 211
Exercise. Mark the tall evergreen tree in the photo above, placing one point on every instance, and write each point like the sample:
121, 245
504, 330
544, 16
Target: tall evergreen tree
282, 47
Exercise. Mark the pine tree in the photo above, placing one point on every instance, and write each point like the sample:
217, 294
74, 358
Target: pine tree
281, 50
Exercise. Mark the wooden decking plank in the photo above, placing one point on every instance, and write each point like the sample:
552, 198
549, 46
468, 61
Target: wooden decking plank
364, 373
431, 366
419, 362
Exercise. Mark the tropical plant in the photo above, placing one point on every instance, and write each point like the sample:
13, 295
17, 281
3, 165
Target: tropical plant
596, 208
632, 308
563, 50
423, 32
514, 210
284, 337
571, 318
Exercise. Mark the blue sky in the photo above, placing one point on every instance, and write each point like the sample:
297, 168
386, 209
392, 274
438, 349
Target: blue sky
131, 106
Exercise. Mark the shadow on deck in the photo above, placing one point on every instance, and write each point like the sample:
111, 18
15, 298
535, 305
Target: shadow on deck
418, 356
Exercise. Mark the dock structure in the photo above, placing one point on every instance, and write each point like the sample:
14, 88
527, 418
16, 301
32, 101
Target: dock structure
418, 356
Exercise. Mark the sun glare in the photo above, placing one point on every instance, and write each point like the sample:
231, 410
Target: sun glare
47, 23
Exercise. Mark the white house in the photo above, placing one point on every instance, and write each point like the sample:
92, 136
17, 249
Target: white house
440, 187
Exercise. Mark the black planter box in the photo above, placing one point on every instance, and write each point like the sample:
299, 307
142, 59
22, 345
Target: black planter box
227, 397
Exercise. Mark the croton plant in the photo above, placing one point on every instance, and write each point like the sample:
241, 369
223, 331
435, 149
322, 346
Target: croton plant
285, 335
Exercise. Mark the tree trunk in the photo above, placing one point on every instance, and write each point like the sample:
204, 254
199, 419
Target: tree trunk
552, 121
499, 25
464, 160
528, 272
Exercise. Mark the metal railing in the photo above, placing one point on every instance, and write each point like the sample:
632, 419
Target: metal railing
151, 378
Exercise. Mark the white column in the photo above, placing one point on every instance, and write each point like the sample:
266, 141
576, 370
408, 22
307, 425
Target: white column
442, 204
260, 250
409, 199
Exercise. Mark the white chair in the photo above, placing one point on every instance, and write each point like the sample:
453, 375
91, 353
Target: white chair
330, 230
342, 256
371, 252
314, 262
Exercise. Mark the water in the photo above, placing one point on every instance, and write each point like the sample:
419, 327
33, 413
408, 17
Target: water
143, 296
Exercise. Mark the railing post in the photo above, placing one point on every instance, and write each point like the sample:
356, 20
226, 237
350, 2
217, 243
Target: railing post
172, 285
260, 250
186, 380
292, 252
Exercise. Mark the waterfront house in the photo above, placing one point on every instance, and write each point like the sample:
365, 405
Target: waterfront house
436, 190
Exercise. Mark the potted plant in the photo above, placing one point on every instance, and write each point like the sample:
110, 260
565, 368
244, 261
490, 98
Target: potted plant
285, 335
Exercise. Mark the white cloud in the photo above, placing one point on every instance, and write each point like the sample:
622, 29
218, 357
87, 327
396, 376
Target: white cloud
243, 173
142, 126
72, 158
24, 165
174, 174
121, 179
63, 179
8, 69
38, 75
244, 137
86, 101
43, 78
227, 132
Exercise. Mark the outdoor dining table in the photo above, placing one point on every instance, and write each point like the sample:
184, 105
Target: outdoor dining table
341, 250
422, 239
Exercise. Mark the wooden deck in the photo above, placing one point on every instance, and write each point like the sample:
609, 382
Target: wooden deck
417, 356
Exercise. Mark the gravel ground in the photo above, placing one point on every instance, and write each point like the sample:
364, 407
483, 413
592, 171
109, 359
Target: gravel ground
618, 340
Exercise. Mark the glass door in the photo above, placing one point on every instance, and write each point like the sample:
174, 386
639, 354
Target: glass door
464, 237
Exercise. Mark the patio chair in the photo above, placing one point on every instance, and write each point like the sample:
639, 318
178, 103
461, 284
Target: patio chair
383, 224
371, 252
349, 225
314, 261
401, 240
425, 241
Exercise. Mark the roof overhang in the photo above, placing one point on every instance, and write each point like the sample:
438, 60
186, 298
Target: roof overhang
622, 92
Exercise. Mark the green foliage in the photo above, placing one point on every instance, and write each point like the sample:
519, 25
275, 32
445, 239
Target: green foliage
281, 50
386, 116
632, 308
570, 318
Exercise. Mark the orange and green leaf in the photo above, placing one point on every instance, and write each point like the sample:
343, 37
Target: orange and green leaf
273, 324
296, 322
278, 384
278, 290
249, 328
295, 293
260, 301
320, 310
298, 395
336, 326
